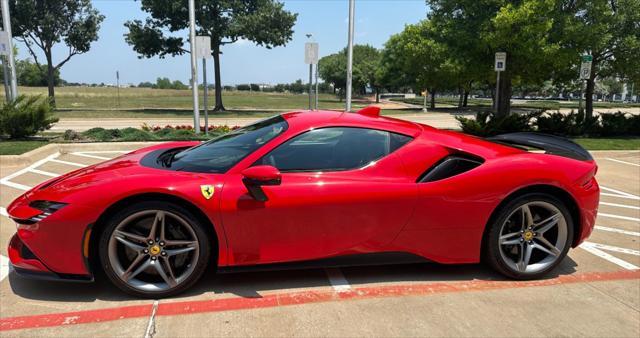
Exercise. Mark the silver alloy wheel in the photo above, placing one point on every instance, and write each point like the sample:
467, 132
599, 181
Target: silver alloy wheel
153, 250
533, 237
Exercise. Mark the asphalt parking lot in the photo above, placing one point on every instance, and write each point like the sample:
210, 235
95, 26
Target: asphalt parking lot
595, 292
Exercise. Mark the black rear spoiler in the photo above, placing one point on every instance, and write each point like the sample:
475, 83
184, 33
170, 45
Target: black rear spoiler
551, 144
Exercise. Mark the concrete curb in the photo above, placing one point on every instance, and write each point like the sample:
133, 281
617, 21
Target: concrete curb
42, 152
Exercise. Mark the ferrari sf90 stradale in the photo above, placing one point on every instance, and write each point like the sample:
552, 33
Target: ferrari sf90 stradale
315, 188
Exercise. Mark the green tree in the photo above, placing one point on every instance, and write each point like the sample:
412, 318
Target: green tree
609, 31
265, 22
45, 23
473, 30
366, 60
31, 75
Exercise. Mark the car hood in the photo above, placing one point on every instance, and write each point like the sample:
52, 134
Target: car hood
107, 177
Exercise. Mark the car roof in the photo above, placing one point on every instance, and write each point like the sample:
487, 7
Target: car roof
325, 118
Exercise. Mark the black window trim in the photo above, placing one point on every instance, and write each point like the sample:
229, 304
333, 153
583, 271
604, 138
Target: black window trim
333, 170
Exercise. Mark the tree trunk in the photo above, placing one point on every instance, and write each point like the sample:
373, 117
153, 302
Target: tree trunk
504, 97
460, 96
432, 104
216, 66
466, 97
591, 83
377, 95
50, 78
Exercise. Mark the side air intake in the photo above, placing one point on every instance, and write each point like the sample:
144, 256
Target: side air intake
450, 166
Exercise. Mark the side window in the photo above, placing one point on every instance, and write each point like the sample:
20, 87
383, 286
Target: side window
333, 149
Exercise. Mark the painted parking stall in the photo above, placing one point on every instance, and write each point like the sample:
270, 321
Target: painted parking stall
611, 254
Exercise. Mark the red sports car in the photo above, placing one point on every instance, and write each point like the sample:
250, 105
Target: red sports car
314, 188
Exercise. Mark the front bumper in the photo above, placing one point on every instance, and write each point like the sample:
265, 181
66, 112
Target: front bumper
27, 265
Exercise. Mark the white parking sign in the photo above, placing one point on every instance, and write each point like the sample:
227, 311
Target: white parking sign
311, 53
4, 43
501, 61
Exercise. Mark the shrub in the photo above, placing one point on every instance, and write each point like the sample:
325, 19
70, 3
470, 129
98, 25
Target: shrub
71, 135
614, 124
487, 124
133, 134
101, 134
26, 116
572, 124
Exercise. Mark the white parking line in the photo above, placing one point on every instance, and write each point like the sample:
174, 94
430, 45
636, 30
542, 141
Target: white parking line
597, 249
620, 231
618, 192
91, 156
7, 179
4, 267
626, 218
620, 196
615, 249
42, 172
623, 162
69, 163
337, 280
620, 205
3, 212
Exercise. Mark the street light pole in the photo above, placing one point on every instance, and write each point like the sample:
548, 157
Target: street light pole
352, 6
194, 66
6, 23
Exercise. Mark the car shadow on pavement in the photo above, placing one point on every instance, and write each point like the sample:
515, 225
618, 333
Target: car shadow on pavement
253, 284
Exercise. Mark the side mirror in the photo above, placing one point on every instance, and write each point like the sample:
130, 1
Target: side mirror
255, 177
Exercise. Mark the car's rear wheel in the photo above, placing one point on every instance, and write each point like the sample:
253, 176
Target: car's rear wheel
530, 236
154, 249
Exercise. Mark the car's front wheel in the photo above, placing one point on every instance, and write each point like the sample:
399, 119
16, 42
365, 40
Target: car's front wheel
530, 236
154, 249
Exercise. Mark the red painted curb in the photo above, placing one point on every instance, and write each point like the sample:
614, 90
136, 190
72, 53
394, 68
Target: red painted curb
296, 298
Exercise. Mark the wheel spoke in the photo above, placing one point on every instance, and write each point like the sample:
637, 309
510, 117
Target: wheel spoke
128, 274
158, 222
544, 245
171, 242
510, 239
170, 280
547, 224
124, 238
173, 252
527, 217
525, 257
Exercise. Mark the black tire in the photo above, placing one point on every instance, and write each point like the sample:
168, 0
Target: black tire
203, 255
492, 251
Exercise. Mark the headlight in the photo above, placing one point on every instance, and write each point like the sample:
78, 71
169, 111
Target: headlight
47, 208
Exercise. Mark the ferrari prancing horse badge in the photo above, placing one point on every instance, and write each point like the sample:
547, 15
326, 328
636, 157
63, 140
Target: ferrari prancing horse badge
207, 191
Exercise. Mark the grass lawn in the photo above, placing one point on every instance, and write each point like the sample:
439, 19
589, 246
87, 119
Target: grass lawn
147, 98
609, 143
19, 147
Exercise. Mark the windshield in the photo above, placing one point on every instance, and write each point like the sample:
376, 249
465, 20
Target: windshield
220, 154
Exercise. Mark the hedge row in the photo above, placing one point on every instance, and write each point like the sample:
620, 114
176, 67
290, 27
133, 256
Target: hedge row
572, 124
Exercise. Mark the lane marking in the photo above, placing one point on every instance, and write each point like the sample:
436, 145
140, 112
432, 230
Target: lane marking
626, 218
337, 280
151, 326
69, 163
298, 298
619, 193
623, 162
3, 212
7, 179
620, 196
614, 249
620, 231
90, 156
4, 267
598, 251
620, 205
106, 152
42, 172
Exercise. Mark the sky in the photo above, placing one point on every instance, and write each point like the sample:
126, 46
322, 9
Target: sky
242, 62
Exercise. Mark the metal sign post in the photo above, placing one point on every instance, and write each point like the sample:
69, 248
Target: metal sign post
352, 6
311, 58
194, 66
8, 48
4, 54
499, 66
203, 51
585, 74
118, 86
316, 105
